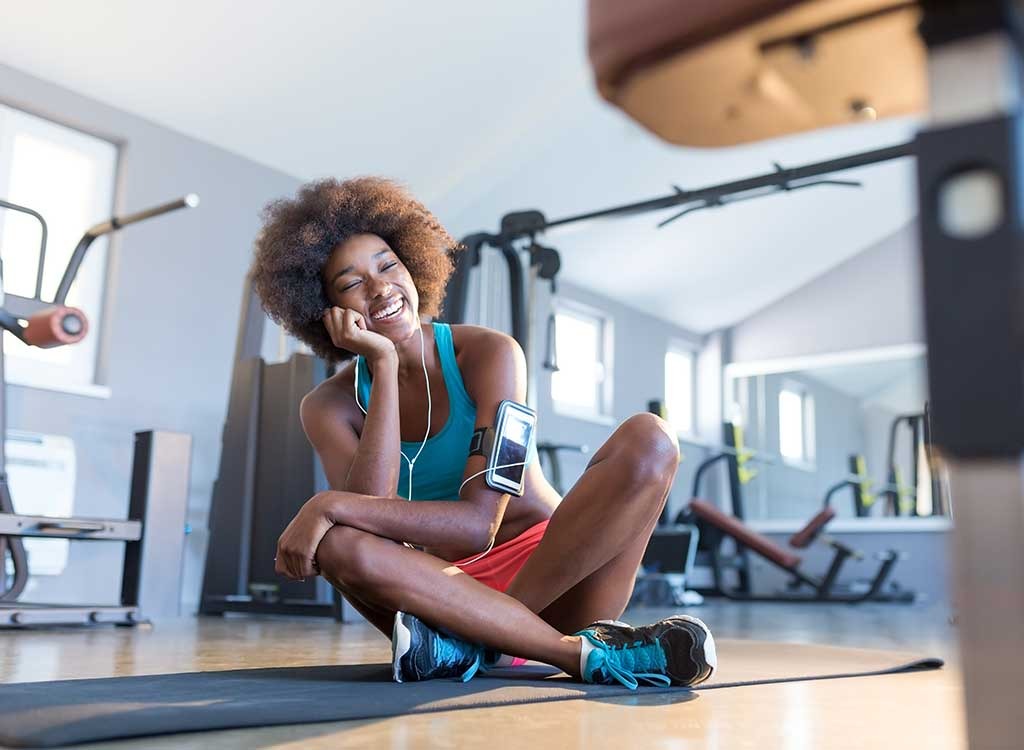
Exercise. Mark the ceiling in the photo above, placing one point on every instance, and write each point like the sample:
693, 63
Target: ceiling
481, 108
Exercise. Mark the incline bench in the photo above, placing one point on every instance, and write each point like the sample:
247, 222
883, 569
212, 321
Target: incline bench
718, 525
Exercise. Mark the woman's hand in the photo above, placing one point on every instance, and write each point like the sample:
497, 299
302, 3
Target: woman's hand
348, 331
296, 547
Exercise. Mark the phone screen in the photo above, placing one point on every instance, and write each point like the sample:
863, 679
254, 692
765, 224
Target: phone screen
515, 437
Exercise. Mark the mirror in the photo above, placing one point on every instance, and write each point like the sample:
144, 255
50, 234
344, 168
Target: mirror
847, 429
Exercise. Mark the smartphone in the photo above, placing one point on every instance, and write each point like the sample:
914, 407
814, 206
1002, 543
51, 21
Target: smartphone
515, 425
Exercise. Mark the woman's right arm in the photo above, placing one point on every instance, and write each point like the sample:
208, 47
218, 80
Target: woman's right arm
366, 464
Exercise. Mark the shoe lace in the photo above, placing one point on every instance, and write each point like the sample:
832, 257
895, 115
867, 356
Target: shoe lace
451, 653
630, 663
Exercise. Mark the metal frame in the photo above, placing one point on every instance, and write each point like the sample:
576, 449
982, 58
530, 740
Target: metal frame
14, 613
651, 573
151, 451
526, 225
239, 576
824, 588
522, 226
919, 431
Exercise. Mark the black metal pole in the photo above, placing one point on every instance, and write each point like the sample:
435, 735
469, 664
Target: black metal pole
457, 291
527, 224
189, 201
14, 545
714, 193
518, 296
42, 240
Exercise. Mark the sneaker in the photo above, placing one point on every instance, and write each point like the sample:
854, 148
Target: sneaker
678, 650
418, 652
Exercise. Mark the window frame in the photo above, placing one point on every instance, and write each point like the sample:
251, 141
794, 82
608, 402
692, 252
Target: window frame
78, 377
606, 357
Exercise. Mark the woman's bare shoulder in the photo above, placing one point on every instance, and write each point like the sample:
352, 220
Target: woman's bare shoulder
487, 359
334, 397
474, 343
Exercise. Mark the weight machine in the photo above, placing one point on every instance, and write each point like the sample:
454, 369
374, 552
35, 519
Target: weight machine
160, 467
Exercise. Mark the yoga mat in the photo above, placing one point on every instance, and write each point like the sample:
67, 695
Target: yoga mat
65, 712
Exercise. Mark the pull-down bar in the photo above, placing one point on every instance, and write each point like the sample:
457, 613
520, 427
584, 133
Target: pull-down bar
781, 179
525, 225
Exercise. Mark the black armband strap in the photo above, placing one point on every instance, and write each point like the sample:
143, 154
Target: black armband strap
482, 442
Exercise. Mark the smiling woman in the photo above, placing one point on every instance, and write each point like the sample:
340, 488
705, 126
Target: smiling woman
351, 268
299, 236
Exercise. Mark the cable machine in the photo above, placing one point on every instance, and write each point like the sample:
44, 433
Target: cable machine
525, 226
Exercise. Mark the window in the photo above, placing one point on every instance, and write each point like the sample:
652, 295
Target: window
582, 385
68, 176
796, 425
679, 390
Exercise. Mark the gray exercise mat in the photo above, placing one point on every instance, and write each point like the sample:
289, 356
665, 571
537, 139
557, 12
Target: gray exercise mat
66, 712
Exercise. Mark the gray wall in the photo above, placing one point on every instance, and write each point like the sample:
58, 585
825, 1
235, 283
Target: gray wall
872, 300
173, 290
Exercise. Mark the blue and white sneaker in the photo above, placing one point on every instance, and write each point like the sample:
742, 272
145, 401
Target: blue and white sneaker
419, 652
678, 650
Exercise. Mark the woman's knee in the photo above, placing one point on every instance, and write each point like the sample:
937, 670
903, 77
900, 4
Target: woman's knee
649, 446
344, 554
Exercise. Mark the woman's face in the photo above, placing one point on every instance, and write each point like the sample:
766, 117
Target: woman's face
365, 275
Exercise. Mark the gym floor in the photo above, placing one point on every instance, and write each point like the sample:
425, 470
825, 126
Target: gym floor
922, 710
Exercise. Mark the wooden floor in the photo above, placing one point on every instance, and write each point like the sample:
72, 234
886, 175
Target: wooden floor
902, 711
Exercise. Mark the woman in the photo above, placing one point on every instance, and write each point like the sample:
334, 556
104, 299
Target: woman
349, 268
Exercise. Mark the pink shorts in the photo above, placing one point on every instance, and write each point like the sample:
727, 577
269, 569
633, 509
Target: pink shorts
499, 566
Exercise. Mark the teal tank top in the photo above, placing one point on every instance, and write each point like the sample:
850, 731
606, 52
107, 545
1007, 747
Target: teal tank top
442, 463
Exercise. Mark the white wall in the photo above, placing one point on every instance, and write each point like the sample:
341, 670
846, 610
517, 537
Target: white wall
872, 300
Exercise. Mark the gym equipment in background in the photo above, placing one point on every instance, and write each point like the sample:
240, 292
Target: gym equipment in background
548, 453
923, 495
525, 226
715, 526
160, 471
859, 483
960, 61
735, 457
268, 470
666, 568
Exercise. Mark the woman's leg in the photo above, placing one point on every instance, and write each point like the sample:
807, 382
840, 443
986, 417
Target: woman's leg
585, 566
582, 571
381, 618
394, 577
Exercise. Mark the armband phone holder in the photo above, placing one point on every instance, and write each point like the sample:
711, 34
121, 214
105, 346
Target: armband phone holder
506, 446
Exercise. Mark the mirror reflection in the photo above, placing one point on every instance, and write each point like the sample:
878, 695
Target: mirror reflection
847, 431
